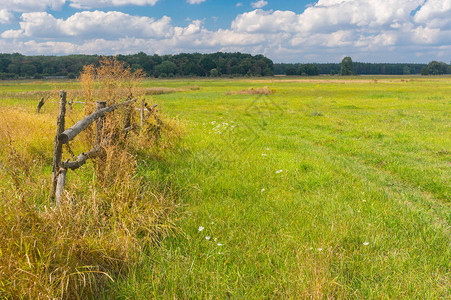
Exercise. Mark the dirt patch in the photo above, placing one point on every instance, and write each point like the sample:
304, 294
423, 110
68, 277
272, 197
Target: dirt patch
252, 91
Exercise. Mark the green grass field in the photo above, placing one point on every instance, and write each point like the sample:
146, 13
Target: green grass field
329, 188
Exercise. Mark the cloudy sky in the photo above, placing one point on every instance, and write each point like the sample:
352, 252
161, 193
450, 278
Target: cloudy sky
283, 30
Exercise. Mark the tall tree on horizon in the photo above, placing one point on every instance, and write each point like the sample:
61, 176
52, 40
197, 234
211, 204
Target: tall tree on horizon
347, 66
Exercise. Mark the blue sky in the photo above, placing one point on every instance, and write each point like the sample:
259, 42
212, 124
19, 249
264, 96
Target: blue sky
283, 30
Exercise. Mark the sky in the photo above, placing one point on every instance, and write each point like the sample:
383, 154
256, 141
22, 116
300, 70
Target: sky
405, 31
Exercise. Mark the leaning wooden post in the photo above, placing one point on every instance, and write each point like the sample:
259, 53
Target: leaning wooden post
61, 182
142, 112
100, 122
58, 148
40, 105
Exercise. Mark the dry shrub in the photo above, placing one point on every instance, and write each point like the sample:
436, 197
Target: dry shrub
108, 216
252, 91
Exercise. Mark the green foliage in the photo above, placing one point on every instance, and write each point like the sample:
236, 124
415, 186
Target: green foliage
291, 70
437, 68
183, 64
308, 70
359, 68
166, 67
425, 71
214, 72
347, 67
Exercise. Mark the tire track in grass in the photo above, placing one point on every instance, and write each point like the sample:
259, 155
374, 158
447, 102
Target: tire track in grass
439, 211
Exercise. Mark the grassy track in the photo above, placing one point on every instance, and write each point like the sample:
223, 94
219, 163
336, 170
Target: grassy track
360, 209
325, 189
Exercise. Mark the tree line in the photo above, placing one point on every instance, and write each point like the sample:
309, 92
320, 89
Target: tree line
203, 65
185, 64
347, 67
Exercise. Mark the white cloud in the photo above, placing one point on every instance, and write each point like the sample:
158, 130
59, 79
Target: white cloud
325, 31
195, 1
32, 5
6, 17
435, 13
89, 24
265, 21
425, 35
88, 4
259, 4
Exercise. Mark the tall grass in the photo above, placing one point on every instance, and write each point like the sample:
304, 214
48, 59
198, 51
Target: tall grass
107, 217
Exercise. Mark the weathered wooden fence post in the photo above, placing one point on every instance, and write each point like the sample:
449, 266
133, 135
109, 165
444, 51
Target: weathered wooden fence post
58, 148
60, 183
40, 105
143, 101
100, 122
65, 136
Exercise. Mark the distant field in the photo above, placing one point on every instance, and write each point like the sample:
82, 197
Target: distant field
330, 187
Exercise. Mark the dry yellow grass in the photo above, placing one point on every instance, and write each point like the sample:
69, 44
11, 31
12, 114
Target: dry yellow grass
107, 216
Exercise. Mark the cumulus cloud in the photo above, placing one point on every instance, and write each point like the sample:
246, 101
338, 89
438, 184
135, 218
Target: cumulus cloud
87, 4
6, 17
32, 5
43, 5
325, 31
337, 23
435, 13
265, 21
195, 1
90, 24
259, 4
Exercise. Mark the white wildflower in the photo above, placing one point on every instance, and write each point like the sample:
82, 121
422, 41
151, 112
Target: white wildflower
280, 171
263, 190
366, 243
201, 228
207, 238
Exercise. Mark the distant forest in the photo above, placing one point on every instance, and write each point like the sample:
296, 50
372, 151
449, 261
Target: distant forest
359, 68
180, 65
13, 66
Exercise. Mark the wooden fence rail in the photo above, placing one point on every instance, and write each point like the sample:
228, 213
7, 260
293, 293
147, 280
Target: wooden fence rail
64, 136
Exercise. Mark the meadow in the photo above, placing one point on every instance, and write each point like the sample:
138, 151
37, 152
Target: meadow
325, 188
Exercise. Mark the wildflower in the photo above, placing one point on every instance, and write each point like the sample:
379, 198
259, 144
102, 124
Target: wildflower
219, 244
320, 249
263, 190
201, 228
263, 154
280, 171
366, 243
207, 238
